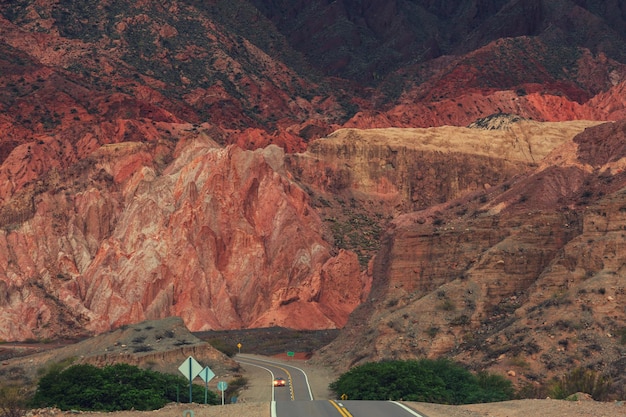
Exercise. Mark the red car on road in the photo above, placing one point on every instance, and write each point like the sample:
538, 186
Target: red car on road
279, 382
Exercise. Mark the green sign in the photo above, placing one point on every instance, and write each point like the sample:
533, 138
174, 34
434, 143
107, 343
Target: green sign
222, 385
291, 354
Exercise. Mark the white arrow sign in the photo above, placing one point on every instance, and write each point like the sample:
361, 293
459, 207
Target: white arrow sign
190, 368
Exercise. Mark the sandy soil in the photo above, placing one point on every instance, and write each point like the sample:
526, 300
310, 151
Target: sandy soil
525, 408
175, 410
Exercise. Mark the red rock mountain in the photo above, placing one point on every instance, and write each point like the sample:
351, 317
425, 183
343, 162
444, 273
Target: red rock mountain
220, 237
248, 164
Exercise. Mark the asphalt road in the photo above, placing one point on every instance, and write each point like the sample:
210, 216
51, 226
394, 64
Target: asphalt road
331, 408
296, 398
297, 386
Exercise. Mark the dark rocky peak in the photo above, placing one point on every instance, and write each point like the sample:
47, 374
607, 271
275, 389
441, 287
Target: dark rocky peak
496, 121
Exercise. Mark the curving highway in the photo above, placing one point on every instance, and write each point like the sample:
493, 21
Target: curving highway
297, 387
296, 398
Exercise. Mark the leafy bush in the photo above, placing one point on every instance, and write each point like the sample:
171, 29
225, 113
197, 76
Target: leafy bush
234, 386
113, 388
440, 381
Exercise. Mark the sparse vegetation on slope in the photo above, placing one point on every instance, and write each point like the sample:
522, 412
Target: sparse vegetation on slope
12, 401
268, 341
579, 380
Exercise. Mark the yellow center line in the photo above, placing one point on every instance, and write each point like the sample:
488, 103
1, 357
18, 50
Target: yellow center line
290, 382
343, 411
284, 369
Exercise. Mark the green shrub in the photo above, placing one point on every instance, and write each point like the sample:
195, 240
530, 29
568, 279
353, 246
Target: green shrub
12, 401
113, 388
581, 380
235, 386
439, 381
432, 331
447, 305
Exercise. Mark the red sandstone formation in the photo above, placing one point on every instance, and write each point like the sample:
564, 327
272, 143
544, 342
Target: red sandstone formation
140, 177
221, 238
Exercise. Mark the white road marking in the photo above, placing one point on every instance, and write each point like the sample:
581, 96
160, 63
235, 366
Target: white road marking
268, 370
407, 409
278, 364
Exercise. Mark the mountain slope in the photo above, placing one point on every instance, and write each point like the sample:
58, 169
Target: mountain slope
367, 40
526, 277
137, 176
175, 58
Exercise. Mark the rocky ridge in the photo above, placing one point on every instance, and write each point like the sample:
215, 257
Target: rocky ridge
410, 167
524, 278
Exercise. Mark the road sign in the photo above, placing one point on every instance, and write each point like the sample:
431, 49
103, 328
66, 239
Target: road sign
291, 354
222, 385
190, 368
239, 347
206, 374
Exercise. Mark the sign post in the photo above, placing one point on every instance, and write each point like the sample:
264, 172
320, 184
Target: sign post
190, 368
206, 374
239, 347
222, 385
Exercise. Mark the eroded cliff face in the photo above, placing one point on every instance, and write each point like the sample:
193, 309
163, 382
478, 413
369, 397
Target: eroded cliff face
227, 238
525, 277
222, 238
412, 169
359, 180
